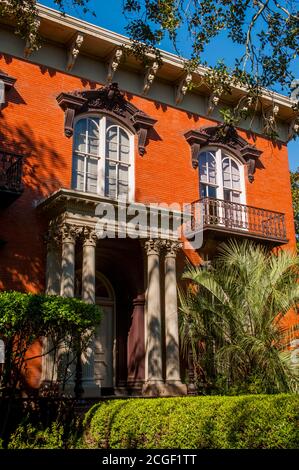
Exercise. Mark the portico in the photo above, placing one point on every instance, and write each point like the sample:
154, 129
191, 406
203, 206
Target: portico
139, 345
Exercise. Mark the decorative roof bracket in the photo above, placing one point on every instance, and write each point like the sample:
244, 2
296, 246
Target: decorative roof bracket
182, 88
150, 77
113, 64
212, 101
74, 50
6, 83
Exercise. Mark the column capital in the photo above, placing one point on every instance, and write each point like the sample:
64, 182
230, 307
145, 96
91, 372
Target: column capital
69, 232
172, 247
153, 246
52, 237
89, 236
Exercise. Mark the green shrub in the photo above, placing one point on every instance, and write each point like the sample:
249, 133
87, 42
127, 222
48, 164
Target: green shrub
30, 437
259, 421
25, 318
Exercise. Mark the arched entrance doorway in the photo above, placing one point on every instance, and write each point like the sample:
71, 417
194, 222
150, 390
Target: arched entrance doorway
98, 372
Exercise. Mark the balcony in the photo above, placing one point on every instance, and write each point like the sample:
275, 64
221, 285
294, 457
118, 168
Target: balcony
10, 177
222, 218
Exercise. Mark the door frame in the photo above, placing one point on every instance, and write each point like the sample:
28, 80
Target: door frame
109, 302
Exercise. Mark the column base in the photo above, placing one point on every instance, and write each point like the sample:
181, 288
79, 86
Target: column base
164, 389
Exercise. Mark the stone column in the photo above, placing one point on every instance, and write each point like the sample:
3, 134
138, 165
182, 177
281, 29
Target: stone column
173, 379
89, 265
154, 379
135, 346
53, 274
67, 286
91, 388
53, 263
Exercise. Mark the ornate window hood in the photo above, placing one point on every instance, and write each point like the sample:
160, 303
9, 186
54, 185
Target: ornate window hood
224, 136
110, 100
8, 81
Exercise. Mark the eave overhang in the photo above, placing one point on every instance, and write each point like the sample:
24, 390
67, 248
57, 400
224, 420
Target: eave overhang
99, 43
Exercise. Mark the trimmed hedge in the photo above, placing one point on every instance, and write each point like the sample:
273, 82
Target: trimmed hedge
255, 421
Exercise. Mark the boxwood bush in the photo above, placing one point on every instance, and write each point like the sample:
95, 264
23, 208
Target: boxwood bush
252, 421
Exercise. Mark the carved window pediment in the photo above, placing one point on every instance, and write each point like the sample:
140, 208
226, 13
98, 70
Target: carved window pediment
6, 83
226, 137
7, 80
110, 100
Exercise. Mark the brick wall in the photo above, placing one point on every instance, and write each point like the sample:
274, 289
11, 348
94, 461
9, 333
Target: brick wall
32, 123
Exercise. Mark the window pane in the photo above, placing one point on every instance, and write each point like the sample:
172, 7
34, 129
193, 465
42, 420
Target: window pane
78, 173
203, 173
92, 166
235, 168
92, 175
110, 179
225, 164
111, 143
227, 180
212, 175
235, 175
212, 191
124, 146
80, 136
91, 184
93, 137
235, 196
207, 167
227, 195
236, 182
122, 188
123, 173
123, 177
203, 190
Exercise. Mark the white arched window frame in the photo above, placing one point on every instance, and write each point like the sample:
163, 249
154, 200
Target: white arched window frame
103, 157
218, 175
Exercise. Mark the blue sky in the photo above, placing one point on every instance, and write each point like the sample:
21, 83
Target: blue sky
109, 16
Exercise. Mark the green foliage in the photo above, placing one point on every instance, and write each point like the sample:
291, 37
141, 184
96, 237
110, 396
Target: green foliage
42, 313
232, 320
295, 198
268, 31
26, 318
262, 421
42, 423
25, 13
30, 437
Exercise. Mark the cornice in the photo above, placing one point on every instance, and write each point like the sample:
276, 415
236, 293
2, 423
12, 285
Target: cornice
169, 59
101, 45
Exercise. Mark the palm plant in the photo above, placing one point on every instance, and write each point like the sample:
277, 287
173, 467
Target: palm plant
233, 318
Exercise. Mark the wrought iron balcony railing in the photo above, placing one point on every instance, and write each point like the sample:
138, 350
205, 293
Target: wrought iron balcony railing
234, 218
10, 176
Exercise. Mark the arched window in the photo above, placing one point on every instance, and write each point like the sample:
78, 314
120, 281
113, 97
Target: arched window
221, 176
103, 158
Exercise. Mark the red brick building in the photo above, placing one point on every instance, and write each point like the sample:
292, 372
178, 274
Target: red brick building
81, 125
